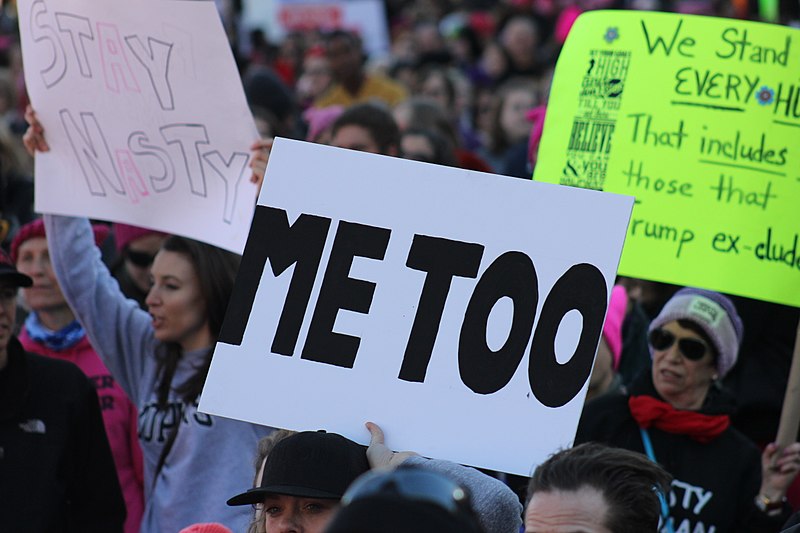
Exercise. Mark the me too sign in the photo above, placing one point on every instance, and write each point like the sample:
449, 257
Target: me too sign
460, 311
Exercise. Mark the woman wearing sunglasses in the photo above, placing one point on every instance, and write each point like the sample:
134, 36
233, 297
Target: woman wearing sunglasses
137, 248
678, 414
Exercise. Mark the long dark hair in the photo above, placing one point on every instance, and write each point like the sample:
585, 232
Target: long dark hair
216, 271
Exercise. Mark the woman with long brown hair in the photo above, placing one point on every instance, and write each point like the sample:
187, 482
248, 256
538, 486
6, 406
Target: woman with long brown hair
160, 357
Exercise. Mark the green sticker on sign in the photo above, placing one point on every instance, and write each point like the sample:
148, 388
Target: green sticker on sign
699, 119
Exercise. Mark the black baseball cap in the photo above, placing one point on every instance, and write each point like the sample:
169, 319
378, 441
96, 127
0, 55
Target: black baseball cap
310, 464
9, 273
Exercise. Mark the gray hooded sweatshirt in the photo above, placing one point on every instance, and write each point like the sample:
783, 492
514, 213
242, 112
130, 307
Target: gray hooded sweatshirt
210, 459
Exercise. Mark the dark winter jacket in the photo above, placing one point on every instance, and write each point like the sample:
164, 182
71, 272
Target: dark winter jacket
56, 470
714, 484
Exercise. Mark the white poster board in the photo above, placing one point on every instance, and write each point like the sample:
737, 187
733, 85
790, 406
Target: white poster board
144, 113
358, 267
366, 18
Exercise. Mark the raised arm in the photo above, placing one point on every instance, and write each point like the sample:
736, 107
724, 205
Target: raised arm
120, 331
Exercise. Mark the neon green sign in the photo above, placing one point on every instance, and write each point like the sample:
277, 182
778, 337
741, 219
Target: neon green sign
699, 119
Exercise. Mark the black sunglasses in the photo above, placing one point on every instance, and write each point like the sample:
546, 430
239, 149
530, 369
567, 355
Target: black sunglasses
412, 484
140, 259
693, 349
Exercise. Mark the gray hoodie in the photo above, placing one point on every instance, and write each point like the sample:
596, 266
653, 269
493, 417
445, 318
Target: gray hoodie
210, 459
498, 508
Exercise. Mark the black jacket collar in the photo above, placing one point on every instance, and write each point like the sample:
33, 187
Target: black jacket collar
14, 381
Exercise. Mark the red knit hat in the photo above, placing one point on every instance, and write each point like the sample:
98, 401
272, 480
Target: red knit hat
125, 233
212, 527
35, 229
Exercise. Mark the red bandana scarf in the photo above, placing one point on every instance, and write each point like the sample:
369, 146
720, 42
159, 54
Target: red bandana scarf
648, 411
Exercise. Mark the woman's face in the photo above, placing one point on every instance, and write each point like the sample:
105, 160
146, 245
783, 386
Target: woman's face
434, 87
316, 77
493, 61
519, 39
33, 259
682, 382
292, 513
513, 114
176, 304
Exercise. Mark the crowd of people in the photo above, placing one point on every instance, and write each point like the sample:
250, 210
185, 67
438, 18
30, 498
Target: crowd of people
107, 330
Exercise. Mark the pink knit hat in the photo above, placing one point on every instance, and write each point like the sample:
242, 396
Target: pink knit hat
320, 118
124, 234
36, 229
566, 19
536, 116
212, 527
612, 329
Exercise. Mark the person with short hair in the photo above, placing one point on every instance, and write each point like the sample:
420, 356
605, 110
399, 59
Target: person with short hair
596, 489
679, 415
366, 128
352, 84
426, 146
56, 470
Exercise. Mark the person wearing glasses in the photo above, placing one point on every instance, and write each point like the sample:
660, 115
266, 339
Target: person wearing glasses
678, 414
137, 248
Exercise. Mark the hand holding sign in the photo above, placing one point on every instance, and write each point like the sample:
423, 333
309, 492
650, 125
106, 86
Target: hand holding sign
134, 135
34, 135
378, 454
377, 288
259, 159
779, 468
34, 141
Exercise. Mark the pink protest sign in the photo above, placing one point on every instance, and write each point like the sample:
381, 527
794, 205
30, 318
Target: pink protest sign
144, 113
